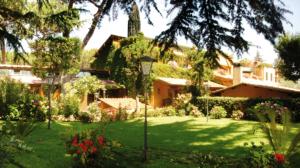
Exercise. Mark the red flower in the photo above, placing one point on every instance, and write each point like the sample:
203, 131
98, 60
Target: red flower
75, 141
83, 147
78, 151
100, 140
279, 158
88, 142
93, 149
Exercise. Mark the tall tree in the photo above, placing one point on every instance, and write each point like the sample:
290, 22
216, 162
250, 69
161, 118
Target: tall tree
288, 49
55, 56
134, 23
213, 24
15, 24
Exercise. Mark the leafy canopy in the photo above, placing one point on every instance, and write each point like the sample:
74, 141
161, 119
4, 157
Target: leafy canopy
288, 49
213, 24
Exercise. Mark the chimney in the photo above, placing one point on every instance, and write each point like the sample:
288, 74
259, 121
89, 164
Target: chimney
237, 74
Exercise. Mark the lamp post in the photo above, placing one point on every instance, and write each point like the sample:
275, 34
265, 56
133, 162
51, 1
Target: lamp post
146, 64
50, 83
206, 93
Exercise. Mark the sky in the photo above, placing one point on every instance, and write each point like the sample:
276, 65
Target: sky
119, 27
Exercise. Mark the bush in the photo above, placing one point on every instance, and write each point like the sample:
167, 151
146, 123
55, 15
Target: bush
246, 104
121, 114
94, 111
93, 150
18, 102
85, 117
237, 115
70, 105
257, 156
218, 112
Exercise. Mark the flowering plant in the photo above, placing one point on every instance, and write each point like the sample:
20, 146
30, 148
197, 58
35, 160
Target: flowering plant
271, 115
89, 149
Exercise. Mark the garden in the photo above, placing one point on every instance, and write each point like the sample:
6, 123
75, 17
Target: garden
238, 133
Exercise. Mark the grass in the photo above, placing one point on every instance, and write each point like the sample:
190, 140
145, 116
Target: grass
168, 136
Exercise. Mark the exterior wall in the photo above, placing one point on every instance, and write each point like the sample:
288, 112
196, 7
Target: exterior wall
269, 74
237, 75
160, 93
163, 93
253, 92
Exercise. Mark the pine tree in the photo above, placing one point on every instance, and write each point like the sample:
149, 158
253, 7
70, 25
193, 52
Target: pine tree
134, 23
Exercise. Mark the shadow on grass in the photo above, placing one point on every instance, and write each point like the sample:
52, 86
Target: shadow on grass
166, 136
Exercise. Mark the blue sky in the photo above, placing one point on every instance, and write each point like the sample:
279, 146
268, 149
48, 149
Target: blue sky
119, 27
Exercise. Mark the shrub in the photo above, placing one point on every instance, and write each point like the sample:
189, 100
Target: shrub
93, 150
122, 114
85, 117
94, 111
246, 105
18, 102
218, 112
70, 105
257, 156
237, 114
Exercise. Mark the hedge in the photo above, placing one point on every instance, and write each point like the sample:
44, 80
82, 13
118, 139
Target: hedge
246, 105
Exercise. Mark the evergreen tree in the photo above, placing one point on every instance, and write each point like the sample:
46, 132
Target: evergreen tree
288, 49
134, 23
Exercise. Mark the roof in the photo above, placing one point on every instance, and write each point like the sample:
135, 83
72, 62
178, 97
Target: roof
17, 67
27, 79
213, 85
261, 84
127, 103
174, 81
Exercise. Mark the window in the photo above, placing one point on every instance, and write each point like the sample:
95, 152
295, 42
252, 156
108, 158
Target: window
271, 77
266, 75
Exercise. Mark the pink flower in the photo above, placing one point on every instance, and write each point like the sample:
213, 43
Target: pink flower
279, 158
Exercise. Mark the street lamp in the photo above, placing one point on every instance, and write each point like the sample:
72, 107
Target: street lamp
146, 64
206, 86
50, 83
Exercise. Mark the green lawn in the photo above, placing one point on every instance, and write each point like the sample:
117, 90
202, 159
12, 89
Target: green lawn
168, 136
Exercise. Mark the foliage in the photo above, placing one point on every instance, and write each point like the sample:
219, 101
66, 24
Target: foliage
69, 104
125, 66
55, 56
87, 57
165, 70
288, 49
201, 70
237, 115
218, 112
183, 106
85, 117
207, 160
257, 156
18, 102
84, 85
11, 143
203, 23
269, 115
90, 149
246, 105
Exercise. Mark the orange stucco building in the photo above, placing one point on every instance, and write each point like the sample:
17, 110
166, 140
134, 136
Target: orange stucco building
166, 89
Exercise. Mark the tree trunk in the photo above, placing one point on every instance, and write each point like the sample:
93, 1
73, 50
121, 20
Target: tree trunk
91, 31
66, 32
3, 51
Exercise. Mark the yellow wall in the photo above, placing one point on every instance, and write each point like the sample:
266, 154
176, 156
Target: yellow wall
163, 91
253, 92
